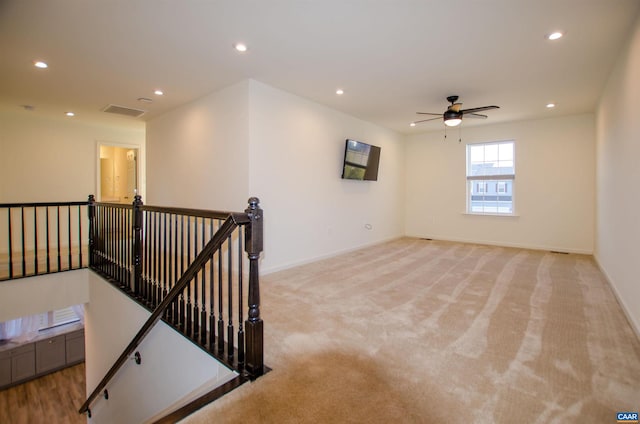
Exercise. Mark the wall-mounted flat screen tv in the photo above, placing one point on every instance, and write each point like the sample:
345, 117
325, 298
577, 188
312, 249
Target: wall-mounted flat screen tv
361, 161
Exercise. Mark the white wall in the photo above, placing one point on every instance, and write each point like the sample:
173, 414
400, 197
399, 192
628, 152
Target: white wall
48, 159
172, 367
618, 179
197, 154
44, 293
554, 186
297, 149
254, 140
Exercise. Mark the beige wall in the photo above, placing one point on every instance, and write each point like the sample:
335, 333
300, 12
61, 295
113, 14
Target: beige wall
197, 154
554, 185
296, 154
618, 179
49, 159
254, 140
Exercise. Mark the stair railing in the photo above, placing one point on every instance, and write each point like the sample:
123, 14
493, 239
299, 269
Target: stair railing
42, 238
140, 248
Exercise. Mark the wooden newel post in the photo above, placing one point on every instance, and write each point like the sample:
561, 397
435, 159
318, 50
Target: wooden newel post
253, 325
91, 211
137, 244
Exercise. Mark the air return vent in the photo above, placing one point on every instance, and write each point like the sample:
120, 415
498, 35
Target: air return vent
121, 110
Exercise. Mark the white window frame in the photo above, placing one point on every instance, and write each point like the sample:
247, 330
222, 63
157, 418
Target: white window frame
57, 317
498, 177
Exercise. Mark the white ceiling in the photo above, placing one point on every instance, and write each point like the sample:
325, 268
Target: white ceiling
392, 57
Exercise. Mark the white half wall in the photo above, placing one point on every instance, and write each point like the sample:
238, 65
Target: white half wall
172, 368
618, 179
554, 197
296, 154
197, 153
43, 293
45, 159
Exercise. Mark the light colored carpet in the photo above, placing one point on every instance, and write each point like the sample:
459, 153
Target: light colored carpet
423, 331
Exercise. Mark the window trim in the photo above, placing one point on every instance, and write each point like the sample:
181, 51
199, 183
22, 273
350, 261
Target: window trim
493, 177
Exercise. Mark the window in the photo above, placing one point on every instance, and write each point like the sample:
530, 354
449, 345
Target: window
490, 177
57, 317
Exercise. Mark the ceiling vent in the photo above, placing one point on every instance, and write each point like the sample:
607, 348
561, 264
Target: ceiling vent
121, 110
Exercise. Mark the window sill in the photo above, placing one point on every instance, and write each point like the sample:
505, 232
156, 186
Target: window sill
507, 215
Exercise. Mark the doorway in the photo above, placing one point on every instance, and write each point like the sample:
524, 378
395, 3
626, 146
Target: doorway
118, 174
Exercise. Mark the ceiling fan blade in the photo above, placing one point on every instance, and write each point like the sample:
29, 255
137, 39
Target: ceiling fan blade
425, 120
475, 115
478, 109
429, 113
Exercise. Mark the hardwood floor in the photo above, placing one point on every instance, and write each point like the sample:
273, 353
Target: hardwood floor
54, 398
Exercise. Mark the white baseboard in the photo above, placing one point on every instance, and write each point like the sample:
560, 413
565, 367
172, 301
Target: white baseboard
507, 244
270, 270
632, 322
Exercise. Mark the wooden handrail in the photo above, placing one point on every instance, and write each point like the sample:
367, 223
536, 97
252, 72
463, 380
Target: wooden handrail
41, 204
225, 231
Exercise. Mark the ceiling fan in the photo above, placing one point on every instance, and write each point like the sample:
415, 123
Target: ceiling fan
453, 115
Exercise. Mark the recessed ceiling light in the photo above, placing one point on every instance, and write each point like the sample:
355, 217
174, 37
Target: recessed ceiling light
70, 114
413, 124
339, 91
551, 105
240, 47
145, 100
158, 92
554, 35
40, 64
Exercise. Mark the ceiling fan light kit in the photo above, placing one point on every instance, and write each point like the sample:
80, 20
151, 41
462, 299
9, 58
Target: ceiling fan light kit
453, 115
452, 118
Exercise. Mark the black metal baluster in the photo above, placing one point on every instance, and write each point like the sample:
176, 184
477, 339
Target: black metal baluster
117, 234
48, 243
181, 310
156, 258
69, 235
122, 244
113, 249
80, 235
99, 238
230, 332
103, 240
203, 307
220, 308
109, 238
164, 259
35, 239
158, 261
58, 229
240, 301
130, 260
170, 281
212, 285
176, 304
188, 288
10, 243
196, 311
24, 261
114, 244
150, 239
